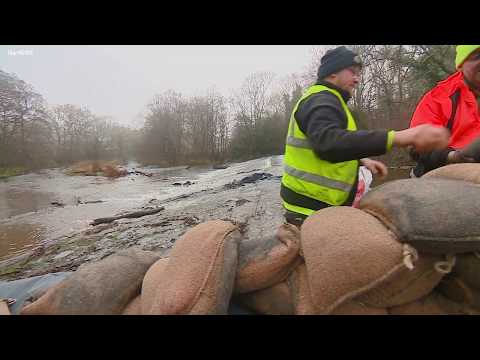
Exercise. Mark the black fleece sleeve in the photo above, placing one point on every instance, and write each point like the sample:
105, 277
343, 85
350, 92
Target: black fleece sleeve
322, 119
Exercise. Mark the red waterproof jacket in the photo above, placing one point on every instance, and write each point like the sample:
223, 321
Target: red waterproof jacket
436, 108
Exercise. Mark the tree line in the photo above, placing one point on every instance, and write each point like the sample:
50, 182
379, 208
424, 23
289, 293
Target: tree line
212, 127
35, 135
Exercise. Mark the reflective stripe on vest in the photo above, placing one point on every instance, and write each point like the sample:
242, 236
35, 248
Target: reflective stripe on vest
306, 174
317, 179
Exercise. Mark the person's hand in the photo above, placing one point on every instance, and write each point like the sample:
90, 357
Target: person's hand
376, 167
424, 138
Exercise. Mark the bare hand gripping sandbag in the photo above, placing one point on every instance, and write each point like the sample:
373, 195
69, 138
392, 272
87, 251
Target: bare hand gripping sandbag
267, 261
200, 274
105, 287
350, 255
469, 172
437, 216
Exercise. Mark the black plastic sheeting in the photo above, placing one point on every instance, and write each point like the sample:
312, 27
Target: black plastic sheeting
22, 289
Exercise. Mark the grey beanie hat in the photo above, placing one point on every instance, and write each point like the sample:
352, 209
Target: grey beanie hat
336, 60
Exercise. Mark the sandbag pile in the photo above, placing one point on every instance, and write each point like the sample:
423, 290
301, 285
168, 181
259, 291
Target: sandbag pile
412, 247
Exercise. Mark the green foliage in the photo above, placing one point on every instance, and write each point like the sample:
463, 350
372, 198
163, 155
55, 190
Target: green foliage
8, 172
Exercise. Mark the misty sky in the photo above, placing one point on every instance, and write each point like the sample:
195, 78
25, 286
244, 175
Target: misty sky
119, 81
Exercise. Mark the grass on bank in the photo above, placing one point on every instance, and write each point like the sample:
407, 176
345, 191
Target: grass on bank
9, 172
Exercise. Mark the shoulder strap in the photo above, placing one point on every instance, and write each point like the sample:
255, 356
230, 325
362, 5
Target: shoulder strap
454, 97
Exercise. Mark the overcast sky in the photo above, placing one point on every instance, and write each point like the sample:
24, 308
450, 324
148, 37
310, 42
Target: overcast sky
119, 81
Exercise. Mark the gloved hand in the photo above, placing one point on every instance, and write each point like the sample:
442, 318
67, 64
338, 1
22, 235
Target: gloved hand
469, 154
472, 150
457, 156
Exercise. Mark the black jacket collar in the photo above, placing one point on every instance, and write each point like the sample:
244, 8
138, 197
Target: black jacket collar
345, 94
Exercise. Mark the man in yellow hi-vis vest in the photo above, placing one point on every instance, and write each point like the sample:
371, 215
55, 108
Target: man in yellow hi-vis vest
324, 148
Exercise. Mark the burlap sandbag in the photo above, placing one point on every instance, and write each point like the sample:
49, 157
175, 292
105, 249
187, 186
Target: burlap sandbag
455, 289
275, 300
151, 282
200, 273
467, 172
101, 288
354, 307
433, 215
407, 285
467, 268
349, 253
134, 307
300, 291
432, 304
267, 261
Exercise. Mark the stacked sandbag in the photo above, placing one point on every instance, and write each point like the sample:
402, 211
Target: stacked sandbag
274, 300
467, 267
469, 172
151, 282
301, 295
105, 287
134, 307
408, 284
200, 273
355, 307
463, 284
350, 255
432, 304
264, 262
438, 216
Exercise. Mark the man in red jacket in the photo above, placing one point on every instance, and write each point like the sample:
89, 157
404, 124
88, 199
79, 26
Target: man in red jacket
454, 104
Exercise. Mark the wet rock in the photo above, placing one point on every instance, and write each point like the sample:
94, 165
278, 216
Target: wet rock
63, 254
248, 180
191, 220
100, 228
57, 203
247, 172
186, 183
220, 166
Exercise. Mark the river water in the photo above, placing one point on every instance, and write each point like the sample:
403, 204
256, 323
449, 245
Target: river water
28, 217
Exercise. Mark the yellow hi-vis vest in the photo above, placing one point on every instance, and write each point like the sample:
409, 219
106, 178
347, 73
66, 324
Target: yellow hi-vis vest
307, 174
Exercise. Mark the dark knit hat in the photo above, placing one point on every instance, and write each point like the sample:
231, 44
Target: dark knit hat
336, 60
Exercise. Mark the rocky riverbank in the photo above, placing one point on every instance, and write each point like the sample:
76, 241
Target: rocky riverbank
252, 201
